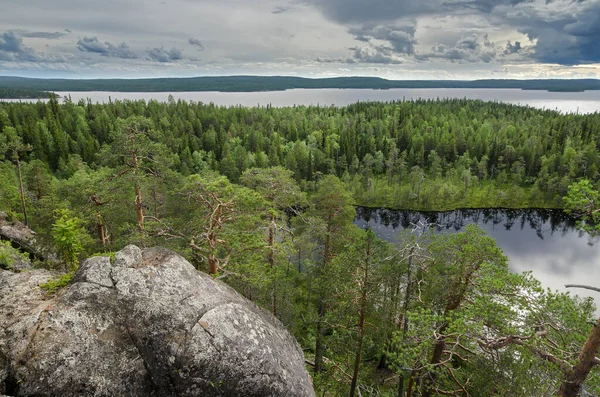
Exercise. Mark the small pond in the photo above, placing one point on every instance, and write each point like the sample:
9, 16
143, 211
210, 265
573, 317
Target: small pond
544, 242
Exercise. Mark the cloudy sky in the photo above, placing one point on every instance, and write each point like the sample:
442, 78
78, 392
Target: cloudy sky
398, 39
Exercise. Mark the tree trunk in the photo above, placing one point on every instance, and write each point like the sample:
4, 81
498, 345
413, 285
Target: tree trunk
271, 260
101, 230
438, 350
575, 378
38, 185
138, 195
361, 321
319, 346
411, 382
319, 343
138, 208
405, 317
271, 242
213, 264
22, 190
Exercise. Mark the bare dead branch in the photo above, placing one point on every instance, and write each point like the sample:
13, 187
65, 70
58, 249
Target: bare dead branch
582, 286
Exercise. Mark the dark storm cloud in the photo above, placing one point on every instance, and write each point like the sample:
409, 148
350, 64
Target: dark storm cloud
92, 44
365, 11
12, 49
10, 42
161, 55
197, 43
562, 31
361, 11
483, 6
565, 31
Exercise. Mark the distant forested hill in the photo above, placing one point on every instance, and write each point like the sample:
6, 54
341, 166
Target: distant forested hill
17, 93
279, 83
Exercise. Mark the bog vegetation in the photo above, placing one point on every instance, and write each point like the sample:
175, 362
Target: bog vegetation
263, 198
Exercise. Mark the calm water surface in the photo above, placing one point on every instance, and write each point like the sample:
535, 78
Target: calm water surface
542, 241
568, 102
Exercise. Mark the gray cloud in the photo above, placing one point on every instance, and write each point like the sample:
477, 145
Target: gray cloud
369, 11
564, 31
380, 55
12, 49
372, 54
471, 49
10, 42
161, 55
335, 60
39, 35
400, 38
280, 10
432, 39
196, 43
373, 11
92, 44
483, 6
513, 48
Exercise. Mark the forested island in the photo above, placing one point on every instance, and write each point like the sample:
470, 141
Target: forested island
22, 93
279, 83
263, 198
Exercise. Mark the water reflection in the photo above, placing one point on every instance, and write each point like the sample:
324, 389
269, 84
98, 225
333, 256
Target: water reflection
567, 102
544, 242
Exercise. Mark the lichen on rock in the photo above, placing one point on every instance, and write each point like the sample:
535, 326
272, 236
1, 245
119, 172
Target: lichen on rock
148, 324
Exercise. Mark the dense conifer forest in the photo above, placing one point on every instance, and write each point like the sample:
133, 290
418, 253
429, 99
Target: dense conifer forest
22, 93
263, 198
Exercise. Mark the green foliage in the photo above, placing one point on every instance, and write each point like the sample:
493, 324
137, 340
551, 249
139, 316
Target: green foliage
111, 255
284, 237
8, 255
55, 284
69, 237
20, 93
9, 188
434, 155
583, 202
477, 308
277, 185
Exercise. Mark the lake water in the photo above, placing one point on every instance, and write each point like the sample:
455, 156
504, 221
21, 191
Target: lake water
542, 241
567, 102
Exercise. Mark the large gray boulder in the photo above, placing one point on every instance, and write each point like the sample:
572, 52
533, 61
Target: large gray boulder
148, 324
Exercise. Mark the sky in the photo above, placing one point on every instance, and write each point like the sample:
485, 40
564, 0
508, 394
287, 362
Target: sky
394, 39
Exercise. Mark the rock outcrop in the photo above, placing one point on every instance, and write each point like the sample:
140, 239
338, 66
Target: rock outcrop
25, 240
147, 324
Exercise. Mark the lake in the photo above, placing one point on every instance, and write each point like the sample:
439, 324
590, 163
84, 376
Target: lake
544, 242
567, 102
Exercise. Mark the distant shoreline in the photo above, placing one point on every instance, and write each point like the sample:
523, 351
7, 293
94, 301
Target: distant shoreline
34, 87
